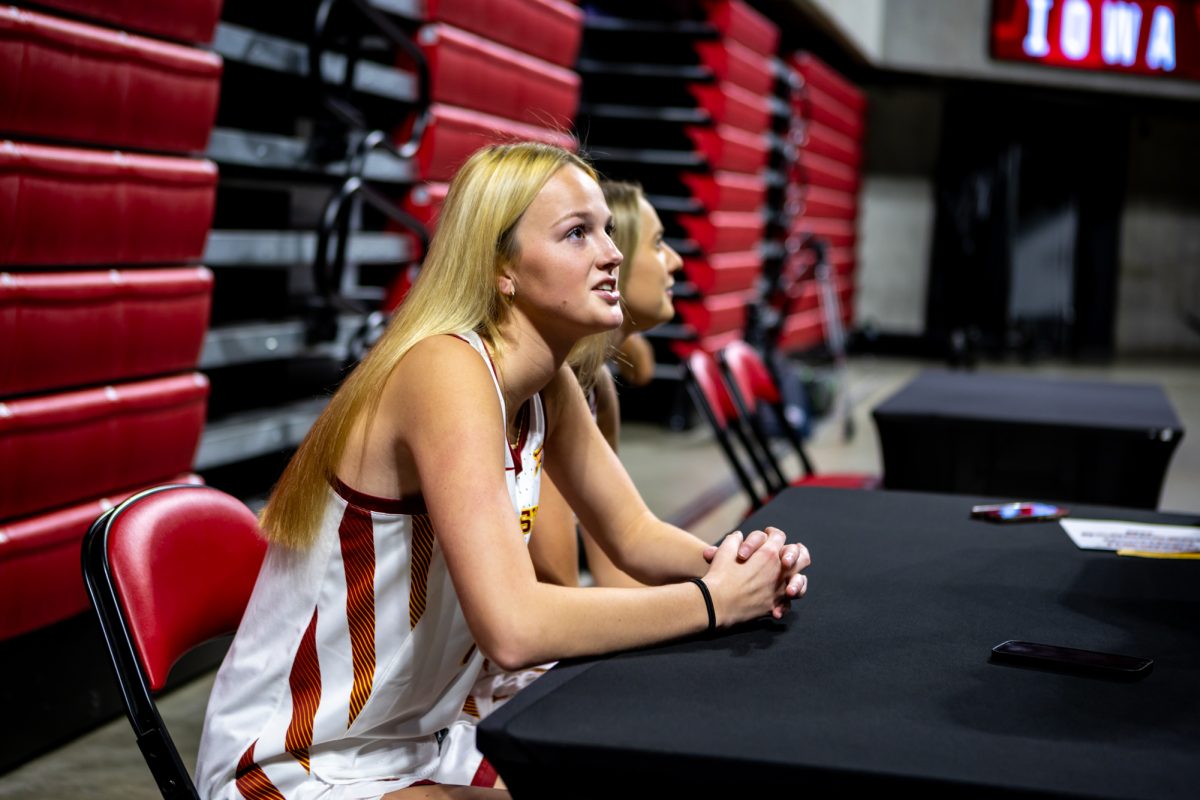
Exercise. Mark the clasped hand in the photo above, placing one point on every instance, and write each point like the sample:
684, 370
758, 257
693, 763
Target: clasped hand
793, 558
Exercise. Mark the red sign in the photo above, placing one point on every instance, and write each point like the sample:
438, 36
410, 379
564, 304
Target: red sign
1144, 37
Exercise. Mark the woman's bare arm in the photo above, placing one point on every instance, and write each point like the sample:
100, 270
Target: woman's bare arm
443, 400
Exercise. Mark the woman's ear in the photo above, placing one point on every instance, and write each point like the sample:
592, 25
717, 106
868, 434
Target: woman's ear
506, 285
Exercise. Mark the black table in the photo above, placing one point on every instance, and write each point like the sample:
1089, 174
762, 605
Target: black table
880, 679
1029, 438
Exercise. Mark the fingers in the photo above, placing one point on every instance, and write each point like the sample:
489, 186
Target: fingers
797, 587
795, 557
773, 538
727, 551
709, 553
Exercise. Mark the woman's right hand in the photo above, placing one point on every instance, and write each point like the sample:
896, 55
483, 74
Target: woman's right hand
745, 590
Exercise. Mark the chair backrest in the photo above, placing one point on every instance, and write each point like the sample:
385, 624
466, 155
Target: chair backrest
167, 570
714, 401
750, 381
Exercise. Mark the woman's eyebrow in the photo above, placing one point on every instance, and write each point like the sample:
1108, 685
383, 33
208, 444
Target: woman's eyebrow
584, 215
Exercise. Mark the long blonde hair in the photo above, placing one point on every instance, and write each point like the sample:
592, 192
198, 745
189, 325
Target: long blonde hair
456, 291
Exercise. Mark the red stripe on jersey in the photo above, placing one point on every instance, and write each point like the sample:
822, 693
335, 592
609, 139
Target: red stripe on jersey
422, 554
485, 775
358, 557
251, 781
305, 682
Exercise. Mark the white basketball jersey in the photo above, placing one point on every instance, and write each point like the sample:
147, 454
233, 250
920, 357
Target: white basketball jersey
353, 659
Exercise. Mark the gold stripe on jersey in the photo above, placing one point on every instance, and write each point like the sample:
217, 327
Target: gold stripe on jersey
537, 460
422, 554
305, 682
358, 557
470, 707
251, 781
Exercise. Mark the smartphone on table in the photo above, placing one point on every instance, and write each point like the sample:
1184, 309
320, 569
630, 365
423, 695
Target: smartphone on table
1018, 512
1070, 659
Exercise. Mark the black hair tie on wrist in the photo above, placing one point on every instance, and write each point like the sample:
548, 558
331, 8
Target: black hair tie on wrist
708, 603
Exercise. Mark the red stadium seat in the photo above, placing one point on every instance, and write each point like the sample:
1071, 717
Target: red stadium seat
737, 21
726, 191
730, 104
68, 206
186, 20
69, 80
454, 133
821, 140
724, 272
716, 313
816, 106
724, 231
728, 148
817, 74
814, 170
730, 61
66, 329
39, 564
167, 570
59, 449
548, 29
816, 201
472, 72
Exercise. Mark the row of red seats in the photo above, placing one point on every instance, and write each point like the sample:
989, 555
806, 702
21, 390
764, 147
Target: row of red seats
822, 195
729, 232
102, 310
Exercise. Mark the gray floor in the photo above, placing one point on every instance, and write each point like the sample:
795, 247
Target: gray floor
676, 472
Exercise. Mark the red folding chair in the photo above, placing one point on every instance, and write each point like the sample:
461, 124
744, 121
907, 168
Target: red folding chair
751, 383
708, 393
167, 570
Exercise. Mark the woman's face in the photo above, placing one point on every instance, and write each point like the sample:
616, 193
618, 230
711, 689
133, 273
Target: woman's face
648, 279
566, 271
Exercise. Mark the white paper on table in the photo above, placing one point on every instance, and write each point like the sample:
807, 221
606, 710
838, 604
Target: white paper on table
1106, 534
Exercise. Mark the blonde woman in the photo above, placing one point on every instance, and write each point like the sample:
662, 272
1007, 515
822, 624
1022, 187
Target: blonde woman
397, 533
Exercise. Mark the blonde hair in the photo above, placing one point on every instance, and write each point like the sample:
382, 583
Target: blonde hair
456, 291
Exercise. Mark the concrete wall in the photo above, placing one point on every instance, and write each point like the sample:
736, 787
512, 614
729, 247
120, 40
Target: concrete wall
1160, 240
897, 209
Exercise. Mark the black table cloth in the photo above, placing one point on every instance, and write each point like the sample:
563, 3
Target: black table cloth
1028, 438
881, 679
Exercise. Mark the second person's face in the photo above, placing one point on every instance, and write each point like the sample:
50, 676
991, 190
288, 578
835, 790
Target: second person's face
649, 270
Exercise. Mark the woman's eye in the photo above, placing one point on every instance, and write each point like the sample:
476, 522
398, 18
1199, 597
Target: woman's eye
576, 232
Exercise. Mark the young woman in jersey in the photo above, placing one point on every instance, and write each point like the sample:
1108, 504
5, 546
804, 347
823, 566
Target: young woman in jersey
397, 554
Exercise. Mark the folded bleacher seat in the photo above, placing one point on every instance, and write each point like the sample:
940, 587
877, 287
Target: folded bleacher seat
814, 170
724, 231
68, 80
716, 313
454, 133
730, 104
724, 272
186, 20
40, 580
736, 63
728, 148
737, 21
473, 72
68, 206
60, 449
726, 191
66, 329
548, 29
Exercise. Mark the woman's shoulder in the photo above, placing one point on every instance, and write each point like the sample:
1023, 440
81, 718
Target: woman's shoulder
438, 362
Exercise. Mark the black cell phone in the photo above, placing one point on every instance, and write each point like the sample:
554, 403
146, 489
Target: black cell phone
1018, 512
1069, 659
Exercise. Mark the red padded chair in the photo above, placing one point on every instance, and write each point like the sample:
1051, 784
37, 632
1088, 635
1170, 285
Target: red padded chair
708, 392
750, 383
167, 570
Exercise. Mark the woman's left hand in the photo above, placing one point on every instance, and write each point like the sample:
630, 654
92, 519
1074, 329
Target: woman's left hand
793, 558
